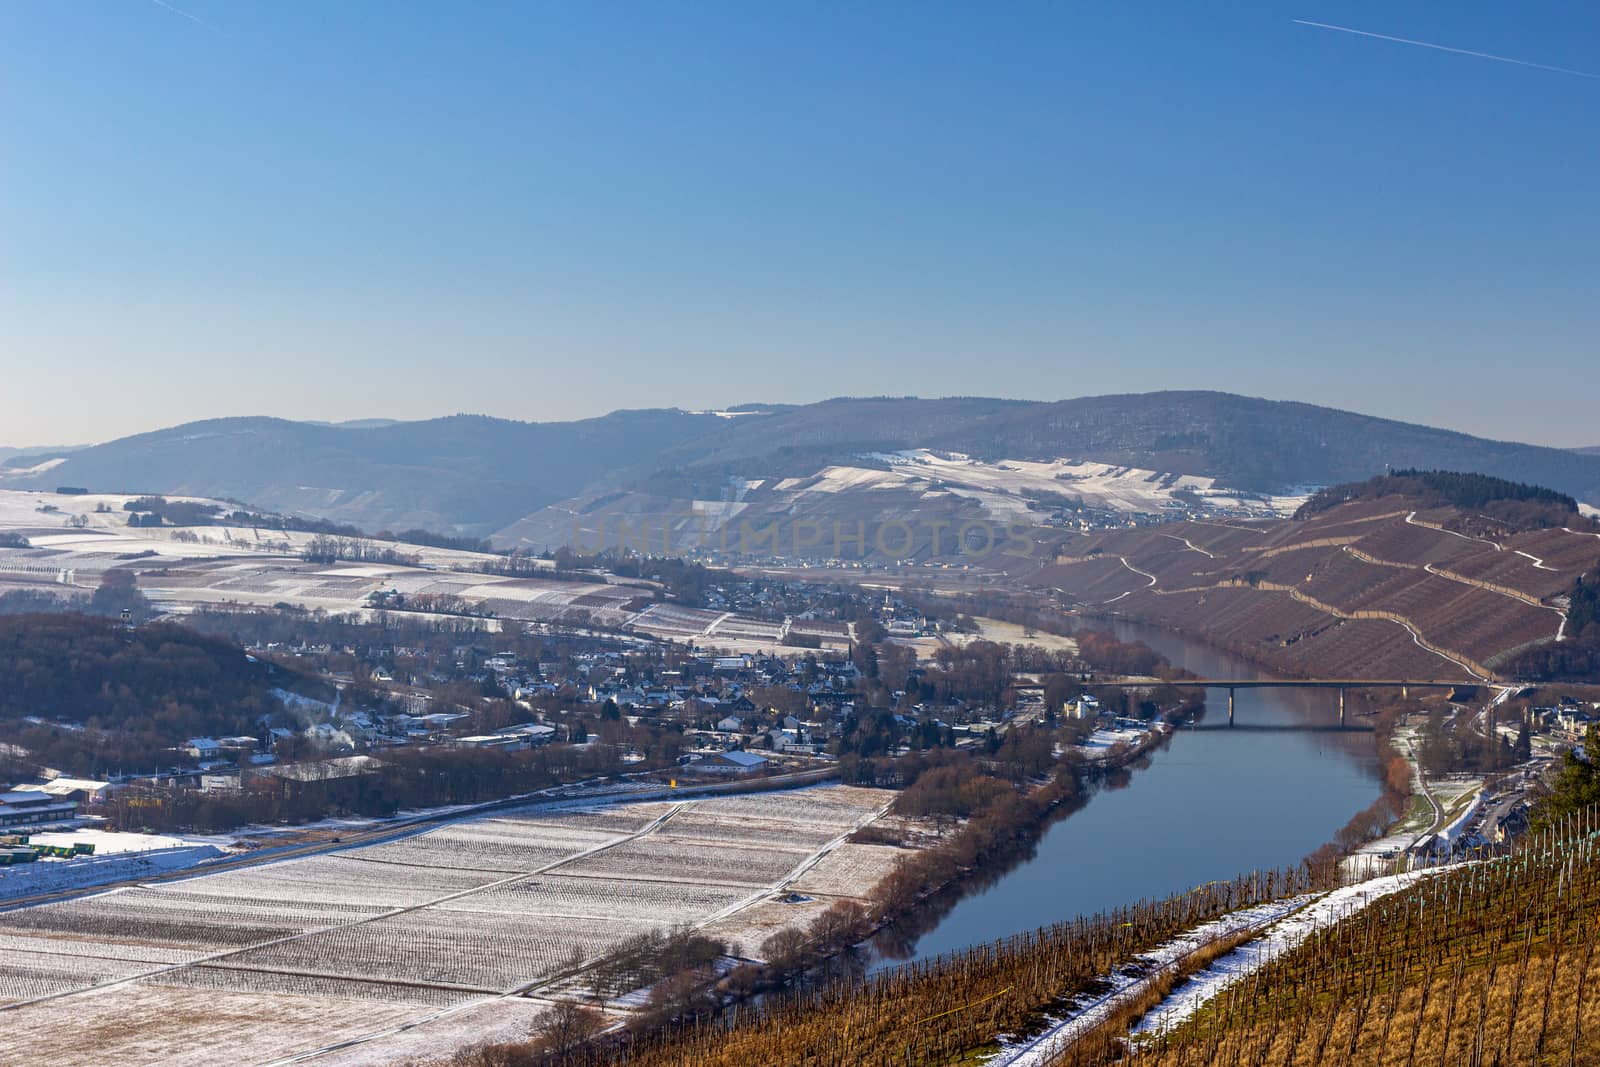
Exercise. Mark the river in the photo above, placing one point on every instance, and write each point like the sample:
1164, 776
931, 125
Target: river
1212, 804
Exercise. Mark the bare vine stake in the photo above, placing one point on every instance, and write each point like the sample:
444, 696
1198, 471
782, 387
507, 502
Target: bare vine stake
1577, 1001
1450, 1013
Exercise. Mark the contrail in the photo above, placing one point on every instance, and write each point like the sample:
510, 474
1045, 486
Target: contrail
1439, 48
179, 11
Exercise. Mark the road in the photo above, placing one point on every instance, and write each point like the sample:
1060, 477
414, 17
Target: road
1422, 784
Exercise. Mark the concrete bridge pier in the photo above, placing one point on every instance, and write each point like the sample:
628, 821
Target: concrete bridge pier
1341, 707
1230, 707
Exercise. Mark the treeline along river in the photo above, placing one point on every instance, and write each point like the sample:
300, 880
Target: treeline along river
1211, 804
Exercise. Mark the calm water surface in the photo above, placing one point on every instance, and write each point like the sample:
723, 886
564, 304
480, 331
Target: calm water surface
1211, 805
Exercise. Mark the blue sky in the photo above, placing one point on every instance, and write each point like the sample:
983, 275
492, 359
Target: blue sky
551, 210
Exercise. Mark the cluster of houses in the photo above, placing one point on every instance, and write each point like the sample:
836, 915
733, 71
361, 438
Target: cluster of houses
712, 697
717, 699
1569, 718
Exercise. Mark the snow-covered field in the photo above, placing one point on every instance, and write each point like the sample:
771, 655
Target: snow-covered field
184, 568
46, 876
442, 929
110, 842
1001, 486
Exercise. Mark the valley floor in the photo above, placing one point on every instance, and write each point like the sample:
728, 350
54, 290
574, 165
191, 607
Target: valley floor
461, 933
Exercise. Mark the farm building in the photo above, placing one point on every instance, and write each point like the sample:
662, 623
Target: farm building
79, 790
32, 808
501, 741
531, 733
202, 748
730, 763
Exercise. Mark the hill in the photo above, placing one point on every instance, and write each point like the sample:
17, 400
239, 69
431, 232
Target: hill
1248, 443
1486, 963
132, 693
35, 453
840, 463
479, 475
1469, 589
465, 473
1496, 502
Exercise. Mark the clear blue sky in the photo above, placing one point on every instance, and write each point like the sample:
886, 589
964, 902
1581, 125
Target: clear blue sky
550, 210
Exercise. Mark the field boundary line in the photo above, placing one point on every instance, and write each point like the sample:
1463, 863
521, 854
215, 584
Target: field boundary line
540, 989
364, 921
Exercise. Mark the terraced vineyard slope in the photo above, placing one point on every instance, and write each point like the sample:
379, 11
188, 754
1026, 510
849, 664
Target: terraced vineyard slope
1465, 588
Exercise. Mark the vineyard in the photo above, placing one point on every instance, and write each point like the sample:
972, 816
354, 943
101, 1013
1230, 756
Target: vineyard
1490, 963
940, 1011
1328, 595
335, 947
1483, 963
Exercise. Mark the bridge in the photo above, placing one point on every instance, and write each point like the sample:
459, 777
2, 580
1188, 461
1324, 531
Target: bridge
1405, 685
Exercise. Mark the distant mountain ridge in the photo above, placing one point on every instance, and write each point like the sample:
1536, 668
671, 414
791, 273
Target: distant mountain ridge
36, 452
476, 475
462, 474
1250, 443
356, 424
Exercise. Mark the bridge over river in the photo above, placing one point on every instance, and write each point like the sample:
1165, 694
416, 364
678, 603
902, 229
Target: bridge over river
1405, 685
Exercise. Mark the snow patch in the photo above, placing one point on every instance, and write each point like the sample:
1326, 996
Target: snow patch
1280, 938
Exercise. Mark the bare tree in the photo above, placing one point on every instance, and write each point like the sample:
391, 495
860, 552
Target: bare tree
568, 1026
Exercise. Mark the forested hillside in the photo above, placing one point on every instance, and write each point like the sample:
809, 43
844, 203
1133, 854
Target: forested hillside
1247, 442
476, 475
110, 697
1518, 505
1577, 658
462, 474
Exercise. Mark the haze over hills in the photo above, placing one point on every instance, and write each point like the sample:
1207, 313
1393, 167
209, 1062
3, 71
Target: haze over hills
482, 475
8, 454
460, 473
1248, 443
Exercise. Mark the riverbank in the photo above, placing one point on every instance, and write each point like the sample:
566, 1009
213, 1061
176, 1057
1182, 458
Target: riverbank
1102, 844
1202, 804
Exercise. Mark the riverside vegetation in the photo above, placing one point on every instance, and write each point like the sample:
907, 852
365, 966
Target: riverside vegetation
1485, 963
